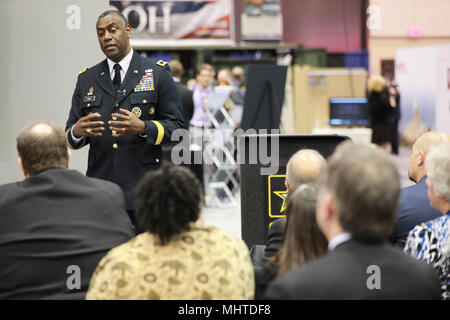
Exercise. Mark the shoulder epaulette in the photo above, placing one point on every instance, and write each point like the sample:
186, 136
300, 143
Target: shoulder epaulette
82, 71
161, 63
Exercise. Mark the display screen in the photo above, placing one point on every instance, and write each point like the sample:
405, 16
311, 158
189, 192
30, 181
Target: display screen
349, 112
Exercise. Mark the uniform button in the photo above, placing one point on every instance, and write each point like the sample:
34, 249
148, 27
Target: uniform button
145, 101
157, 160
114, 132
115, 146
114, 118
117, 104
88, 104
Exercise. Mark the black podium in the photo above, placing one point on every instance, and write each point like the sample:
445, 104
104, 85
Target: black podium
263, 197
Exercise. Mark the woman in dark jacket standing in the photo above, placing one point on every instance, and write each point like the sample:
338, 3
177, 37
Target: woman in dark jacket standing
381, 112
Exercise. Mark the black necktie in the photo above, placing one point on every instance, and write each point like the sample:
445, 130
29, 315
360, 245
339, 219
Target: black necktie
116, 81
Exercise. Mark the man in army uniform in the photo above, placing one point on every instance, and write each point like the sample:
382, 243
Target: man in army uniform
125, 107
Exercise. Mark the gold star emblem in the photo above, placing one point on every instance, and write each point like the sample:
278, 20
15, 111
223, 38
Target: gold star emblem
283, 195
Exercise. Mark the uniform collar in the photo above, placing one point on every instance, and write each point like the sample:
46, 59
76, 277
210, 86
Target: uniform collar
124, 63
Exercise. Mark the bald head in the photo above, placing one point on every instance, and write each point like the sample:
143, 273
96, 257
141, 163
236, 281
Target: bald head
41, 146
303, 167
420, 149
428, 139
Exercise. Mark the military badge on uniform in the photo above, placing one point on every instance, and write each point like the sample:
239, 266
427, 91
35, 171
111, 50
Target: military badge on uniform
91, 91
137, 112
151, 111
146, 82
161, 63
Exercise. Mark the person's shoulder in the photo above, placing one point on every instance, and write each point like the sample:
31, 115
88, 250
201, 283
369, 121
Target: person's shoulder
223, 238
8, 190
410, 191
149, 62
299, 283
430, 226
89, 71
278, 225
106, 185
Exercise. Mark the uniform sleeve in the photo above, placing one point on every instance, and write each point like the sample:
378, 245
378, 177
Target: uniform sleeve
170, 113
74, 115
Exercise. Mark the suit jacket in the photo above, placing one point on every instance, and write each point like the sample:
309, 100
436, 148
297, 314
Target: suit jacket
260, 254
148, 90
413, 209
274, 238
51, 221
187, 102
343, 274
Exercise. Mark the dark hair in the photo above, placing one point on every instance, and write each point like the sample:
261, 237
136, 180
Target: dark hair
120, 14
41, 146
168, 200
302, 240
366, 186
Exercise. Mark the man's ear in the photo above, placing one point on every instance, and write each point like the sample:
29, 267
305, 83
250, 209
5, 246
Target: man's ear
69, 155
421, 159
324, 209
286, 183
19, 160
128, 29
329, 207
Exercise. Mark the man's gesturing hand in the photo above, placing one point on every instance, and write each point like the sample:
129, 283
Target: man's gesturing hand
128, 124
85, 127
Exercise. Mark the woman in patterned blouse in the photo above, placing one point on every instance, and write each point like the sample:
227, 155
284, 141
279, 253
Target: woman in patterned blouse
430, 241
178, 257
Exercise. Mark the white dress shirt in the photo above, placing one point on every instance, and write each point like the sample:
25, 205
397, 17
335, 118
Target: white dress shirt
124, 64
338, 239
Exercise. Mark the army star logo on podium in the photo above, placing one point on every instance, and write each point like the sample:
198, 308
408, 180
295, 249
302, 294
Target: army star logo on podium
277, 195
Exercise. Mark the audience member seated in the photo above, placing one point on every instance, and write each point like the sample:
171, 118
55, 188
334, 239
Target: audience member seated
56, 224
303, 241
176, 68
178, 258
356, 213
303, 167
430, 240
414, 206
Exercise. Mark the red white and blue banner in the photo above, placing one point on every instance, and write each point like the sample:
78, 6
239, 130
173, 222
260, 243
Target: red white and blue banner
177, 19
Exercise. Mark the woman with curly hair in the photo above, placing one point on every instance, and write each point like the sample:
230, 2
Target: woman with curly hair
177, 257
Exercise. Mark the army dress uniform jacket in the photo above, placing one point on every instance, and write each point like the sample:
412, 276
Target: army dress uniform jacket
148, 90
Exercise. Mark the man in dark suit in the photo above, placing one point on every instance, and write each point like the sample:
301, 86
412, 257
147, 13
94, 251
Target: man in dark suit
356, 213
414, 207
186, 95
56, 224
138, 100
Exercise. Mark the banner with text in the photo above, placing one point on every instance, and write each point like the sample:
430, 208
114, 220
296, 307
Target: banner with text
177, 19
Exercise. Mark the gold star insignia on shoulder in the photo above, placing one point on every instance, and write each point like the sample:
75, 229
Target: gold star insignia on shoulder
161, 63
83, 71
